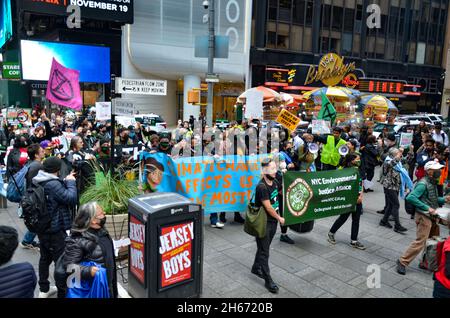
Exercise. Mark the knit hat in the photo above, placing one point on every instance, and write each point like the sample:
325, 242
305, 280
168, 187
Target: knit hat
52, 164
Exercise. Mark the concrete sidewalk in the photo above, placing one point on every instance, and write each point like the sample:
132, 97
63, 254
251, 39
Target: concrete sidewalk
310, 268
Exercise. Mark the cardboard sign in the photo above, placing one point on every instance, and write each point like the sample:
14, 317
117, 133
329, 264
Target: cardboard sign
175, 249
288, 120
321, 127
254, 105
137, 249
406, 140
103, 110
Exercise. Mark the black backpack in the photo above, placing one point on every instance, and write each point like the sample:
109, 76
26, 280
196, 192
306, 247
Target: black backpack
34, 209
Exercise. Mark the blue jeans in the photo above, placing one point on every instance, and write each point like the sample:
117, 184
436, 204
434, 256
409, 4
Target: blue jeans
213, 217
29, 237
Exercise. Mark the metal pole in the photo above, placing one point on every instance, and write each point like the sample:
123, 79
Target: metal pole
113, 124
211, 52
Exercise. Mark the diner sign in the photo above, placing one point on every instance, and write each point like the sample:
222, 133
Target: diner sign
331, 70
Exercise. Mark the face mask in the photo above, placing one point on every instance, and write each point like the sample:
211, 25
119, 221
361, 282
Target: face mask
269, 177
102, 222
132, 135
164, 145
105, 149
436, 175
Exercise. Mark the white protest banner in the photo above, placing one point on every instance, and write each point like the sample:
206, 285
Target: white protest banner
406, 140
103, 110
254, 105
321, 127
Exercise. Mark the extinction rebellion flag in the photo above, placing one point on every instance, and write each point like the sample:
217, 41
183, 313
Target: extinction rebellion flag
327, 112
311, 196
63, 86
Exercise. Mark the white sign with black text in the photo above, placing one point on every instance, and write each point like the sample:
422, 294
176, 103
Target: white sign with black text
141, 86
122, 107
103, 110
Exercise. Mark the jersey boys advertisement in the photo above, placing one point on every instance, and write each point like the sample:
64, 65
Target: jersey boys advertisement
175, 250
137, 238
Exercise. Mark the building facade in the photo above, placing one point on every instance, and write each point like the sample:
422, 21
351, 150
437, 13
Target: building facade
408, 47
161, 45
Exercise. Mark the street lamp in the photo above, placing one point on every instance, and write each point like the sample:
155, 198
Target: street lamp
209, 5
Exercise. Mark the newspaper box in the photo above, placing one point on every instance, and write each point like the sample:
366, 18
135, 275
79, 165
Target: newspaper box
166, 250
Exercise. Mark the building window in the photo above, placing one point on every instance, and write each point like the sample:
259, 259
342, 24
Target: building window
273, 10
338, 13
285, 10
349, 19
298, 12
309, 12
326, 16
347, 44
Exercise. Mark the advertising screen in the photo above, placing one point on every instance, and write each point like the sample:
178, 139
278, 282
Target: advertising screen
93, 62
5, 22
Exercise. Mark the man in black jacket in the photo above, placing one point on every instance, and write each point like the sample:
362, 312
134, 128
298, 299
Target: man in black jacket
61, 197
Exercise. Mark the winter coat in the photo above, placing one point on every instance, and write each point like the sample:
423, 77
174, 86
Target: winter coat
61, 198
92, 246
17, 280
369, 156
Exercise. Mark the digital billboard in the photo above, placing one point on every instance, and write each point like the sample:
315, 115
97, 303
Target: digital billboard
93, 62
5, 22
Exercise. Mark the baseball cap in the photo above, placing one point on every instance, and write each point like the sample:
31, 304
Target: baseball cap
433, 165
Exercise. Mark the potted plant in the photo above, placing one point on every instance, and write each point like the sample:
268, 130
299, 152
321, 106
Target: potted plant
112, 193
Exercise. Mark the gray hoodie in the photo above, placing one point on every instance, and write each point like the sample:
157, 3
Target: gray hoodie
44, 176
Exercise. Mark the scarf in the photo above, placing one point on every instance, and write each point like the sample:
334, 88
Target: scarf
404, 177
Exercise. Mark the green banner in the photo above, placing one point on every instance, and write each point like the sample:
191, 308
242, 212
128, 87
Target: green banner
11, 70
311, 196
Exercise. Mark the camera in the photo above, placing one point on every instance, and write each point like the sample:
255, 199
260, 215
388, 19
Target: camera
206, 4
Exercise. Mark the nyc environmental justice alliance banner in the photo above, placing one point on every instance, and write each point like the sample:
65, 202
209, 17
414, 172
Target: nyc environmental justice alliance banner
311, 196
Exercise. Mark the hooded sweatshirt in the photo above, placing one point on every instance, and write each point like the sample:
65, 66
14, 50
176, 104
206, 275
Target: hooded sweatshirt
61, 200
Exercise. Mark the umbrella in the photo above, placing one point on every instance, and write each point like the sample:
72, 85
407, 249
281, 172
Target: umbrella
329, 92
378, 103
269, 95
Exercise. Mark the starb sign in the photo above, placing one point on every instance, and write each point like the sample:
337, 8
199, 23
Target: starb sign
108, 10
11, 70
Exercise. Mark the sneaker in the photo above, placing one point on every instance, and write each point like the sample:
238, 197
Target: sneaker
239, 219
30, 246
286, 239
401, 269
386, 224
331, 238
52, 291
400, 229
218, 225
358, 245
380, 211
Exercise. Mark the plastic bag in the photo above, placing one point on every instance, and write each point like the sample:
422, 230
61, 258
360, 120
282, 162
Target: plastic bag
97, 288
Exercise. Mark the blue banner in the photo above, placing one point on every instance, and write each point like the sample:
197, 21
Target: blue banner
219, 184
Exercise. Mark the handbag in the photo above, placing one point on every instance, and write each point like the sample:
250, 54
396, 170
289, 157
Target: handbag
255, 220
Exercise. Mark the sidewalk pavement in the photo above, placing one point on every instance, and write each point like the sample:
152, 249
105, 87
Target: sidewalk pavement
310, 268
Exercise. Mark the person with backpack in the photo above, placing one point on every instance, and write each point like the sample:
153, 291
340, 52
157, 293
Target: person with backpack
59, 197
36, 155
442, 276
18, 157
426, 200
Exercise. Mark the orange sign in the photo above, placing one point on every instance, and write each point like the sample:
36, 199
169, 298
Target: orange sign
350, 81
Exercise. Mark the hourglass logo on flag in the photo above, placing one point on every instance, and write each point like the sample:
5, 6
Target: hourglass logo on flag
63, 86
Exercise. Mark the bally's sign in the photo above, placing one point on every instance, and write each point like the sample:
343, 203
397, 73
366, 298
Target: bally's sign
331, 70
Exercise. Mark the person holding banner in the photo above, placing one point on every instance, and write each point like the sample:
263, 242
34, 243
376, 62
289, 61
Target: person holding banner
351, 160
330, 152
266, 196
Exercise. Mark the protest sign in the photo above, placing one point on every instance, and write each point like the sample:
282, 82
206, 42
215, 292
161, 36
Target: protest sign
406, 140
103, 110
318, 195
254, 105
321, 127
288, 120
219, 185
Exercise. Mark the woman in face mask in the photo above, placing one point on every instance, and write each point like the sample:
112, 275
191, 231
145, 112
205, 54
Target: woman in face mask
351, 160
89, 241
